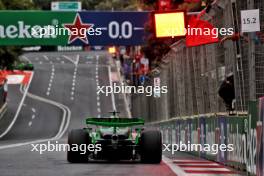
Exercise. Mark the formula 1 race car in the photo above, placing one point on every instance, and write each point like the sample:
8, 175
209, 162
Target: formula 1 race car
114, 139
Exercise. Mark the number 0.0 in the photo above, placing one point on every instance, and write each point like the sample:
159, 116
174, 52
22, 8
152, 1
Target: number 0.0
114, 30
126, 29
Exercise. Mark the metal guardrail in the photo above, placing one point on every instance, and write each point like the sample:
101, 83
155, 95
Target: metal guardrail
244, 132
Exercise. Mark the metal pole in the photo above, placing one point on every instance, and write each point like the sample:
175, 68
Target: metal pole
251, 60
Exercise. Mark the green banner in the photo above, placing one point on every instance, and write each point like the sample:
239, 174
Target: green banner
17, 27
72, 28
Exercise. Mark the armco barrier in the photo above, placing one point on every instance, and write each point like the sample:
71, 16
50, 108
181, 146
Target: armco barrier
245, 132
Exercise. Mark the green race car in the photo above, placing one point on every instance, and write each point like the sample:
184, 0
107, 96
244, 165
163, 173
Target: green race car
115, 139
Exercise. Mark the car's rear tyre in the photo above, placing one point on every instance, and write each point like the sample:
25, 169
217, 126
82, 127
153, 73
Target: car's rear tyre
151, 146
75, 139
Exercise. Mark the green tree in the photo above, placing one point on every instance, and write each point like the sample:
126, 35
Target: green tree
10, 54
94, 4
18, 4
117, 5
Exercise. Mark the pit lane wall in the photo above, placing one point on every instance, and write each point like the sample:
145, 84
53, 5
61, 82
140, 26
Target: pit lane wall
245, 132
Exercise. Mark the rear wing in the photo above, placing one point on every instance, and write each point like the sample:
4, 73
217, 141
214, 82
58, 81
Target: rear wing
115, 122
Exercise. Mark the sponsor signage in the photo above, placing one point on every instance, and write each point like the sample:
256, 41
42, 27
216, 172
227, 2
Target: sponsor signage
260, 139
66, 6
72, 28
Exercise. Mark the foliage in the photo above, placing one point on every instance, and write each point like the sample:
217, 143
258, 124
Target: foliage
9, 54
116, 5
94, 4
18, 4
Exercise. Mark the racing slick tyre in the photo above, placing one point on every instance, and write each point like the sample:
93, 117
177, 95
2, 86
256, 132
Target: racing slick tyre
75, 139
151, 146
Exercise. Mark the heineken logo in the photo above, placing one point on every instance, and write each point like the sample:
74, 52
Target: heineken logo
21, 31
72, 28
76, 31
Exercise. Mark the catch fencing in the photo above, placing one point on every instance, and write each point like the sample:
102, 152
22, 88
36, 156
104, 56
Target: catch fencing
194, 74
192, 109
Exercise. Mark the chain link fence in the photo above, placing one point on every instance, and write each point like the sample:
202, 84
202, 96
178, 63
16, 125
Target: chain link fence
194, 74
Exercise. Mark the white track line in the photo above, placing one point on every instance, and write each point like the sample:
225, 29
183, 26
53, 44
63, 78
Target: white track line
19, 108
66, 111
124, 95
26, 58
111, 84
71, 60
46, 57
97, 84
33, 110
73, 84
51, 80
63, 127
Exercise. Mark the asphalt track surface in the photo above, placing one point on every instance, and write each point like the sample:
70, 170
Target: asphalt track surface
61, 95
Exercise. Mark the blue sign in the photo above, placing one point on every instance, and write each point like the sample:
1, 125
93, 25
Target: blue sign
115, 28
222, 155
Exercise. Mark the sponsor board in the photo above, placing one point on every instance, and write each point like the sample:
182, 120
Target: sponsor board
66, 6
72, 28
244, 132
16, 77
